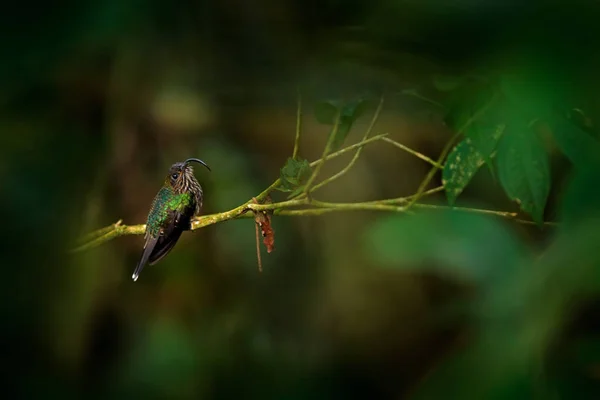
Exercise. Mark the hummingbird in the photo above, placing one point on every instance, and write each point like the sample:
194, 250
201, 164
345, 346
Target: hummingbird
173, 207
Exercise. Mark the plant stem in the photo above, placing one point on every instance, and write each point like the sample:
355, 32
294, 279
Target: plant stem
358, 151
338, 153
326, 151
413, 152
298, 125
403, 200
313, 207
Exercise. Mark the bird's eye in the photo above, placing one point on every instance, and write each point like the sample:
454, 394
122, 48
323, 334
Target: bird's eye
175, 176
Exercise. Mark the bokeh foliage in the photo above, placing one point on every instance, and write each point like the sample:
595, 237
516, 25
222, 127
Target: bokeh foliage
99, 98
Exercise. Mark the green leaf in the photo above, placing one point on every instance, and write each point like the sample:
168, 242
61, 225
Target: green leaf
466, 102
534, 89
581, 200
353, 109
485, 139
294, 174
341, 134
327, 111
466, 158
524, 171
461, 165
579, 146
446, 83
469, 245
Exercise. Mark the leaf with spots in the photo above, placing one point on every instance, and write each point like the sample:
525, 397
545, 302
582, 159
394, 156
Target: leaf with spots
485, 139
524, 170
461, 165
466, 158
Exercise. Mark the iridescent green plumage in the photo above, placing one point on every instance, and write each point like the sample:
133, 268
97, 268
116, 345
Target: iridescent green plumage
166, 200
173, 208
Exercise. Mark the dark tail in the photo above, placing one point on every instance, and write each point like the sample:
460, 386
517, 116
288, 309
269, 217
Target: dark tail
148, 248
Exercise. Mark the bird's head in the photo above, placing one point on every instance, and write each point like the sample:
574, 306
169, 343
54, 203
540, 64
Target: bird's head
181, 175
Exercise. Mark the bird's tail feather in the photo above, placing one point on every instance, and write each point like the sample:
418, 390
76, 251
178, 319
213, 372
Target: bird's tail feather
148, 248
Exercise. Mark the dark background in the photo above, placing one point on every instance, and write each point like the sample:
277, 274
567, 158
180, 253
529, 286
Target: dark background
98, 99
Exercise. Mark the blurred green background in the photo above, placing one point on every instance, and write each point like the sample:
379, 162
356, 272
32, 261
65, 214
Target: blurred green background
98, 99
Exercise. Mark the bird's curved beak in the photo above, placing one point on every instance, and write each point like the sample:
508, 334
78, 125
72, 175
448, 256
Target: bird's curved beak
199, 161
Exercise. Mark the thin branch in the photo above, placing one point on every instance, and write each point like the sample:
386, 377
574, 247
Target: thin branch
358, 151
401, 200
433, 170
326, 151
505, 214
349, 148
357, 206
110, 232
211, 219
100, 232
413, 152
313, 164
313, 207
298, 124
280, 205
326, 208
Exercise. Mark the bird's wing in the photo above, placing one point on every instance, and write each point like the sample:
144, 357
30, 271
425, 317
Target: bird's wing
152, 235
177, 223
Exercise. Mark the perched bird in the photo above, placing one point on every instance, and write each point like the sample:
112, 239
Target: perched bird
175, 204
